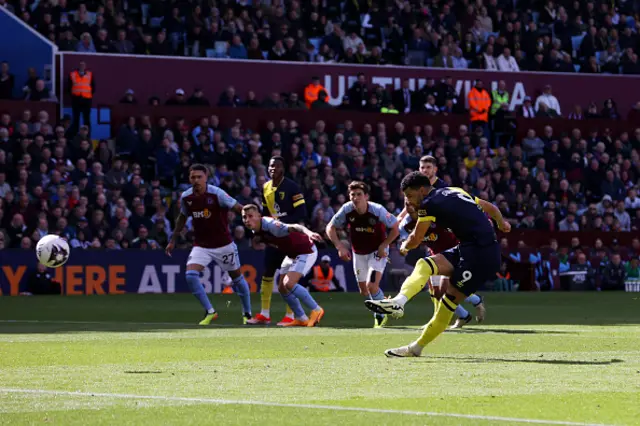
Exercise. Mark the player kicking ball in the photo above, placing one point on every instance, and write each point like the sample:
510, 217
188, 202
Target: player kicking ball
208, 205
469, 265
438, 239
296, 242
371, 229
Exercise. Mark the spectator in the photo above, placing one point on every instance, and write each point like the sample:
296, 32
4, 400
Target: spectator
622, 216
85, 45
321, 103
312, 90
569, 224
236, 49
7, 81
549, 100
228, 98
613, 274
129, 98
506, 62
198, 99
177, 100
41, 93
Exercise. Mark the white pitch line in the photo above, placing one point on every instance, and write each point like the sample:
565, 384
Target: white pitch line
298, 406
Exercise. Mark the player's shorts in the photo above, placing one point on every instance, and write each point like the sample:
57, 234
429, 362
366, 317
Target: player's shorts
226, 257
301, 264
364, 265
273, 258
474, 265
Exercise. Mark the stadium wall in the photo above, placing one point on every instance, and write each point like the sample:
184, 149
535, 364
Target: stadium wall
161, 76
307, 119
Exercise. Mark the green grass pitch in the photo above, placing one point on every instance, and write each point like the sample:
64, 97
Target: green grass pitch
118, 360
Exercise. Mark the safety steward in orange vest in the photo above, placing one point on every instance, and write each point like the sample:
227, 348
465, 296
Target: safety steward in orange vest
312, 91
479, 104
82, 86
323, 275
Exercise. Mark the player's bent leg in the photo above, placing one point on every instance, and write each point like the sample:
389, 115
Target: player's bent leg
464, 317
376, 293
478, 303
192, 275
413, 284
300, 318
441, 319
241, 287
300, 267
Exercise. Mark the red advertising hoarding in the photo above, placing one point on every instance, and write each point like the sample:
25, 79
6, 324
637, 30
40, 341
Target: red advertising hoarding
160, 76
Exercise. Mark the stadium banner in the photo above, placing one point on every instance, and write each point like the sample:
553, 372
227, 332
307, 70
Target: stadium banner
23, 48
138, 271
161, 76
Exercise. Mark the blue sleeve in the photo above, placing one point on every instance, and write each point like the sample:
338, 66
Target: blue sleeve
183, 207
383, 215
404, 234
224, 199
339, 220
274, 227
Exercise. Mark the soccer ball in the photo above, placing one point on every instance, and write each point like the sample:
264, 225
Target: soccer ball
52, 251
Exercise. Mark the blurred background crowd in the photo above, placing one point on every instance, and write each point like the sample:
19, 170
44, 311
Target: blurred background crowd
533, 35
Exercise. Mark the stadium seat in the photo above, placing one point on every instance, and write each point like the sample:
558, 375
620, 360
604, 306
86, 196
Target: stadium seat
575, 43
156, 22
316, 42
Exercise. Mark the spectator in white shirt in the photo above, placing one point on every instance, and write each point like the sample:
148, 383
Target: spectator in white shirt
506, 62
548, 99
458, 61
489, 61
632, 202
351, 42
623, 217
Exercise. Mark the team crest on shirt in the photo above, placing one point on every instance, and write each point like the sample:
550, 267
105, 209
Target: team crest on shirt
281, 195
209, 200
372, 221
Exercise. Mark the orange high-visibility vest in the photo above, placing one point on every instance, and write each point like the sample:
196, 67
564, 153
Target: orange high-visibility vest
81, 84
479, 101
311, 93
320, 281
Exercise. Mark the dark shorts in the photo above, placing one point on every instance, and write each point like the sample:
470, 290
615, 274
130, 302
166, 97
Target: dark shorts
272, 260
473, 265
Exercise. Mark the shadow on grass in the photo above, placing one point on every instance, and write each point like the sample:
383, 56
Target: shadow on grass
527, 361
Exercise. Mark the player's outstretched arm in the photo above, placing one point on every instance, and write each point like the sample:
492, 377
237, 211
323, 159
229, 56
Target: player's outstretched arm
180, 222
495, 214
306, 231
416, 236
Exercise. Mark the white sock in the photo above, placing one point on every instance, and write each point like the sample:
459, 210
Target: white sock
290, 315
400, 299
211, 311
302, 318
415, 348
265, 313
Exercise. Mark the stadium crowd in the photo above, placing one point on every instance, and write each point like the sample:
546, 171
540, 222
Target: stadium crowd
557, 36
124, 195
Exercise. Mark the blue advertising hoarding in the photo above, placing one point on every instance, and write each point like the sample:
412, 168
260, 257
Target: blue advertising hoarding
23, 48
138, 271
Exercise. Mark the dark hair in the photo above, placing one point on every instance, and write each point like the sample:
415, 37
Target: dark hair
356, 184
278, 158
415, 180
197, 167
429, 159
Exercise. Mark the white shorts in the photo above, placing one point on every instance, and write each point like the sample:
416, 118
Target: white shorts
365, 264
226, 257
436, 280
301, 264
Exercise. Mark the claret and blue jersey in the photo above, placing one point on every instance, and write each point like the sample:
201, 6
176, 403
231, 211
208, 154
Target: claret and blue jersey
209, 212
367, 230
